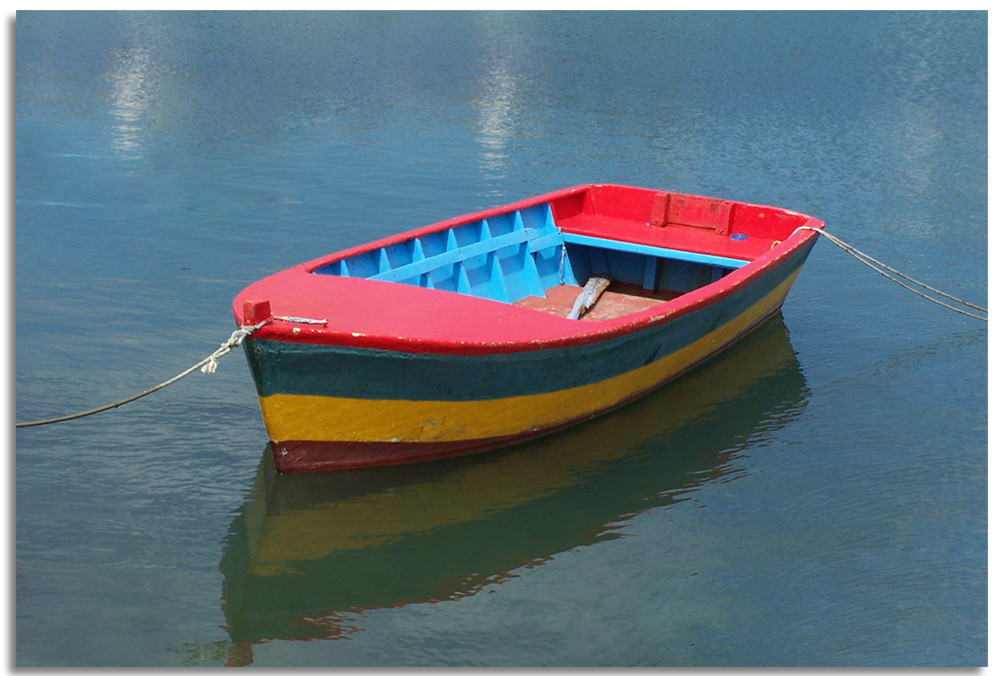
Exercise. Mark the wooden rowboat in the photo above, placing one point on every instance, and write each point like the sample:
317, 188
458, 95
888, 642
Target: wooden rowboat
455, 337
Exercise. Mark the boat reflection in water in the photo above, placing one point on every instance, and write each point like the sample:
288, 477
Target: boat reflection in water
308, 553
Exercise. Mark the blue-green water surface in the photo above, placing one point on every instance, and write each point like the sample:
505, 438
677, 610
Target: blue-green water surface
815, 496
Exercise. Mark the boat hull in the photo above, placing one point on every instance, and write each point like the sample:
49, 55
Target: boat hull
334, 407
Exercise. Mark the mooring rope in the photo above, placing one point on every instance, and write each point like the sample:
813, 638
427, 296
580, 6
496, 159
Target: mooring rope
207, 366
888, 272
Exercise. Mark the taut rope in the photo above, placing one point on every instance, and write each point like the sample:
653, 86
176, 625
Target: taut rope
888, 272
207, 365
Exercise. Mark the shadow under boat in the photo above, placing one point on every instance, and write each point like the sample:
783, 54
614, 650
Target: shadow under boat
307, 553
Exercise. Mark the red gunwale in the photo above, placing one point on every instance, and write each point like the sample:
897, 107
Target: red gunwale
421, 320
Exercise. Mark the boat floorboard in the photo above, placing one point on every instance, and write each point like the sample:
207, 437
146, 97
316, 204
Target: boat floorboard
617, 301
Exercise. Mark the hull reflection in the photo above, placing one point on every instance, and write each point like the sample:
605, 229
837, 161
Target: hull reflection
308, 553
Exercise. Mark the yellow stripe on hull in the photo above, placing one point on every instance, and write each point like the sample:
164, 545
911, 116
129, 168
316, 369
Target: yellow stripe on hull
289, 417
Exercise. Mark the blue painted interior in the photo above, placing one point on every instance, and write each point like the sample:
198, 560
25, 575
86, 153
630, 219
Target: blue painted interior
522, 253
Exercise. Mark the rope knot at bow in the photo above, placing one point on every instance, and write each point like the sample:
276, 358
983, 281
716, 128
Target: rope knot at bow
235, 340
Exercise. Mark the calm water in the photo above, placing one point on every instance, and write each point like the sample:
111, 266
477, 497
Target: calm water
815, 496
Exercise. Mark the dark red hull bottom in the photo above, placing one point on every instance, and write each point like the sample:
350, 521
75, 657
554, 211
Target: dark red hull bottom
319, 456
